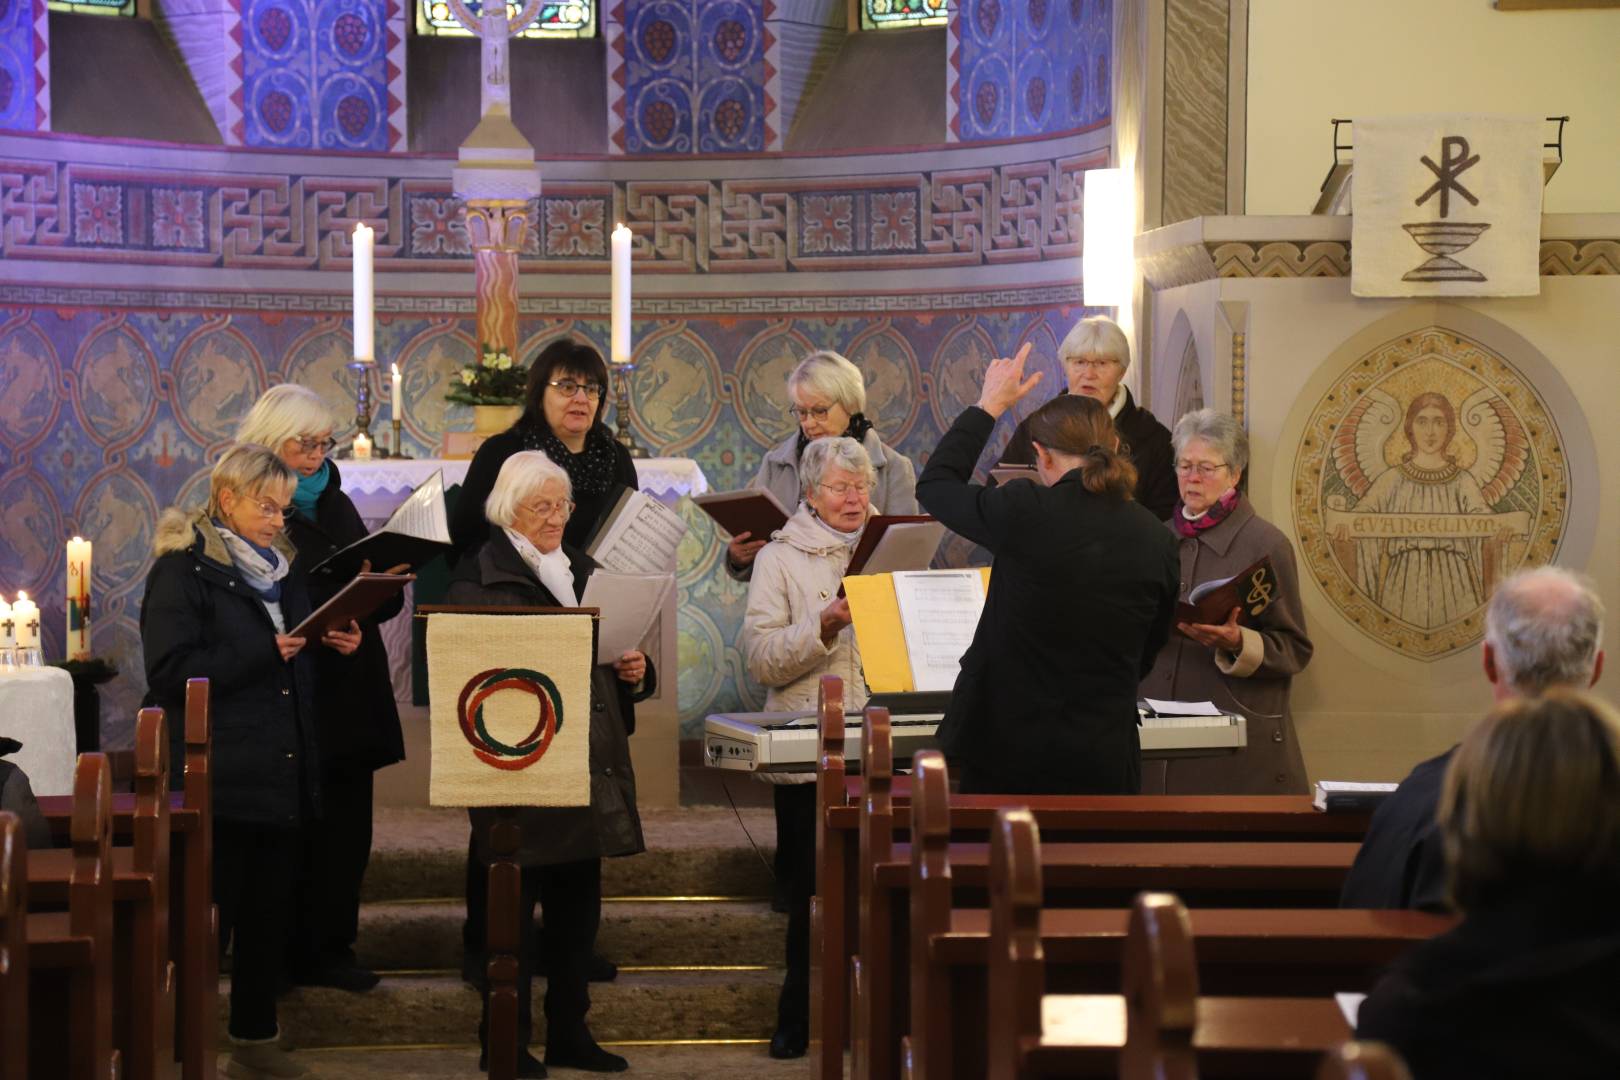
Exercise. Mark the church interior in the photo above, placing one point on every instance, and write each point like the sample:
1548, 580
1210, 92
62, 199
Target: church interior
1363, 258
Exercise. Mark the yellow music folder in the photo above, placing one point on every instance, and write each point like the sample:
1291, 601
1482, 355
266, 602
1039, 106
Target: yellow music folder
876, 614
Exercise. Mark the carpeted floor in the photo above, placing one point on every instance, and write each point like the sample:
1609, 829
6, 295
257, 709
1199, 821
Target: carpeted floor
646, 1062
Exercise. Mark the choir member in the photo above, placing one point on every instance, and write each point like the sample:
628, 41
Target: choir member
1246, 669
1081, 594
796, 629
1095, 357
358, 719
526, 562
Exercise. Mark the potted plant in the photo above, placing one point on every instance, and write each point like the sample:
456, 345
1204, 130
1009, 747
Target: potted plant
493, 387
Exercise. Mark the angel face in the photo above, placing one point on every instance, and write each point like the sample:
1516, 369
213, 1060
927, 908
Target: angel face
1430, 424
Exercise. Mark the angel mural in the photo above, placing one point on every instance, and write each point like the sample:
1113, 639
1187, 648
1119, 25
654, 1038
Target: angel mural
1425, 538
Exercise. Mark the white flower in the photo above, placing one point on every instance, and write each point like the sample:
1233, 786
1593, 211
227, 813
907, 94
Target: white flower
503, 362
467, 376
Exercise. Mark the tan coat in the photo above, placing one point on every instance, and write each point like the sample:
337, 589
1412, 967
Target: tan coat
1253, 683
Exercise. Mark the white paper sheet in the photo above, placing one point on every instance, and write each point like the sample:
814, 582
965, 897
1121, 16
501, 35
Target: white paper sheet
642, 539
1183, 708
422, 514
909, 545
939, 612
630, 604
1350, 1005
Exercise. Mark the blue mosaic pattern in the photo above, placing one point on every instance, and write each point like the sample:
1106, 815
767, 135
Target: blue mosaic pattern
1031, 67
694, 76
17, 106
315, 74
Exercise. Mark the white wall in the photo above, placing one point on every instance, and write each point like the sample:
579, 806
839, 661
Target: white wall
1311, 60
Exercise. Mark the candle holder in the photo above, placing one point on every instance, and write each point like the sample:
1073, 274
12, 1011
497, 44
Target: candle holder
8, 660
622, 406
30, 657
362, 409
399, 445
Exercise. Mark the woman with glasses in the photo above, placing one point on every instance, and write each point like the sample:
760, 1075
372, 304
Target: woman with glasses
1095, 357
359, 721
795, 630
219, 601
1243, 668
527, 562
562, 416
827, 396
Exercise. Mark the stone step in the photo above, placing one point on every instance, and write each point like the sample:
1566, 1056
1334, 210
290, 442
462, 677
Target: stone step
418, 936
442, 1010
680, 1062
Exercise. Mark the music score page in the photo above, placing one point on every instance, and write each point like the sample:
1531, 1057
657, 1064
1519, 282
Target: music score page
939, 612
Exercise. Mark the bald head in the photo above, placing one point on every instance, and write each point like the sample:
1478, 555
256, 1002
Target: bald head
1544, 628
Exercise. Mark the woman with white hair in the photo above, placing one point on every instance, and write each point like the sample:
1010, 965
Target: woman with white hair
524, 563
358, 720
795, 630
828, 398
1096, 356
1246, 668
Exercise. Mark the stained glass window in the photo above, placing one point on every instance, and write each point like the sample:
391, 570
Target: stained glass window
557, 18
893, 14
94, 7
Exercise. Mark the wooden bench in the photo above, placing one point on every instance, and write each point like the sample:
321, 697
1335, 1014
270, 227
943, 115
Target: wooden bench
1363, 1061
193, 922
70, 954
144, 987
13, 948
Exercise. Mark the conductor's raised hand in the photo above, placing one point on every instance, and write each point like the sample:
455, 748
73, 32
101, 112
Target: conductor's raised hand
631, 667
743, 548
1005, 384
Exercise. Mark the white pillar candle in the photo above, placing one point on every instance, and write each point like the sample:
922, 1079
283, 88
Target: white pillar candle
364, 242
362, 447
620, 342
78, 599
8, 626
25, 613
395, 415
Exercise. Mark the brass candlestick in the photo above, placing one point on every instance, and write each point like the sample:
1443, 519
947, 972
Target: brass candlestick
362, 410
621, 394
399, 447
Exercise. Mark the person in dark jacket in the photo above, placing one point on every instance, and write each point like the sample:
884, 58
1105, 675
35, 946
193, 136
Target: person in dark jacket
1528, 984
526, 563
562, 415
1081, 594
17, 797
219, 602
358, 719
1543, 631
1096, 356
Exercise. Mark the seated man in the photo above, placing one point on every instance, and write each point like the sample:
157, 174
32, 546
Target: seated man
1543, 629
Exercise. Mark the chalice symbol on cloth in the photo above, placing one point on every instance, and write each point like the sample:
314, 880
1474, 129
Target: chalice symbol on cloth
1443, 239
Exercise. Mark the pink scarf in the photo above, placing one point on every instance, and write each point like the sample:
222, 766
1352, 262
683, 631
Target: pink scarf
1217, 513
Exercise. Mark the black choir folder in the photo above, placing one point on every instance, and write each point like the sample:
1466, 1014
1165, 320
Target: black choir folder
416, 533
751, 511
356, 600
1252, 589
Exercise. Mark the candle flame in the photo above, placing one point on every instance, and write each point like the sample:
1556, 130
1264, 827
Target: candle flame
21, 596
395, 369
78, 539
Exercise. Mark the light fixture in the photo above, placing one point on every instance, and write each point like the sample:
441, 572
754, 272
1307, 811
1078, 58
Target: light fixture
1108, 261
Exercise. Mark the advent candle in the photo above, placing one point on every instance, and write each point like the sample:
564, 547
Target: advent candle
620, 340
78, 599
395, 415
25, 613
8, 626
364, 241
362, 447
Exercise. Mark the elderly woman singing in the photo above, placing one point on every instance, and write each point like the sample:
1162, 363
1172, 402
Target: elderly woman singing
525, 563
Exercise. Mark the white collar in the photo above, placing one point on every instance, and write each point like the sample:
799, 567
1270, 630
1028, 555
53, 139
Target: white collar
1117, 406
551, 567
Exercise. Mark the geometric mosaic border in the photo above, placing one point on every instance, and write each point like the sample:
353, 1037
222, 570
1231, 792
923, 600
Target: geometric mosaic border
1173, 267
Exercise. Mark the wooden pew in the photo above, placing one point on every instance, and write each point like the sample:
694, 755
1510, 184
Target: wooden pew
13, 948
1240, 952
144, 987
1363, 1061
70, 954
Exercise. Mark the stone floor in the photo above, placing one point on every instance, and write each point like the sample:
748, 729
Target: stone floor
701, 1062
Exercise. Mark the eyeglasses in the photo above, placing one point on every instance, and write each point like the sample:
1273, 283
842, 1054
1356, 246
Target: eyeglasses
843, 490
568, 388
1187, 468
545, 510
815, 413
272, 511
1092, 363
309, 445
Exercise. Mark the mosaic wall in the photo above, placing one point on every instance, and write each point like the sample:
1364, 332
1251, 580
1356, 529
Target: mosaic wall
320, 74
113, 415
692, 78
1017, 68
25, 101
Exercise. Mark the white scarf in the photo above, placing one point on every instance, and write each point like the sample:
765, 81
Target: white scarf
551, 567
259, 573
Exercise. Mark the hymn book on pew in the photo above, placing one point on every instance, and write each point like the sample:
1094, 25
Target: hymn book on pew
1253, 590
363, 594
636, 535
1346, 797
416, 533
752, 511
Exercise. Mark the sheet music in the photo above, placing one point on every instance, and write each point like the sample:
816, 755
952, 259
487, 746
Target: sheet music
642, 539
629, 603
422, 514
939, 612
1183, 708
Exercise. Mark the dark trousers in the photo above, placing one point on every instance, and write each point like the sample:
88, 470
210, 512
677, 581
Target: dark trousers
570, 899
796, 834
335, 854
254, 871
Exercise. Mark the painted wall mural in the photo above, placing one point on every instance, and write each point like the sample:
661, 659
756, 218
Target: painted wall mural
25, 101
113, 415
1429, 471
1016, 68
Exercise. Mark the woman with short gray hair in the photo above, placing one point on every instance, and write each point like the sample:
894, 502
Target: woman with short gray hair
1244, 664
827, 397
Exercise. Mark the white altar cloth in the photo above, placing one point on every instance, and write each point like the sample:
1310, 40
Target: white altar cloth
36, 709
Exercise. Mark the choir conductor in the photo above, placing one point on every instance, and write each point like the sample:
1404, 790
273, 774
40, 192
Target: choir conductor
1081, 595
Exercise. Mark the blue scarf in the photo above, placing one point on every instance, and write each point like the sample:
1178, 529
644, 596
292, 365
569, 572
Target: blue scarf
309, 489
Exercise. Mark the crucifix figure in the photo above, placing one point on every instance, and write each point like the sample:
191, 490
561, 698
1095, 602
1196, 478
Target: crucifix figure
495, 28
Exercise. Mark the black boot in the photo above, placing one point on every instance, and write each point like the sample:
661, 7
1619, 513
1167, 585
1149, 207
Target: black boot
577, 1049
529, 1067
791, 1040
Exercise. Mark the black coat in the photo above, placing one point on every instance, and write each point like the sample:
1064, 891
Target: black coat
1402, 862
359, 721
611, 825
1143, 437
199, 618
469, 527
1528, 986
1080, 601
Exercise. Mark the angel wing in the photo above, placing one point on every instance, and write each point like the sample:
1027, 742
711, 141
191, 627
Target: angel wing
1504, 445
1358, 445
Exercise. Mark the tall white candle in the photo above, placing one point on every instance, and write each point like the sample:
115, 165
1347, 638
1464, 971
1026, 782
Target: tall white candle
620, 342
25, 613
364, 242
8, 626
78, 599
395, 415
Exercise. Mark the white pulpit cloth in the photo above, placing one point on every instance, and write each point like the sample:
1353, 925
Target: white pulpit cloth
36, 709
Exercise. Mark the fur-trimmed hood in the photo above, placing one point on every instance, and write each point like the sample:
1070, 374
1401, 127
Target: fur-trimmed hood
181, 530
